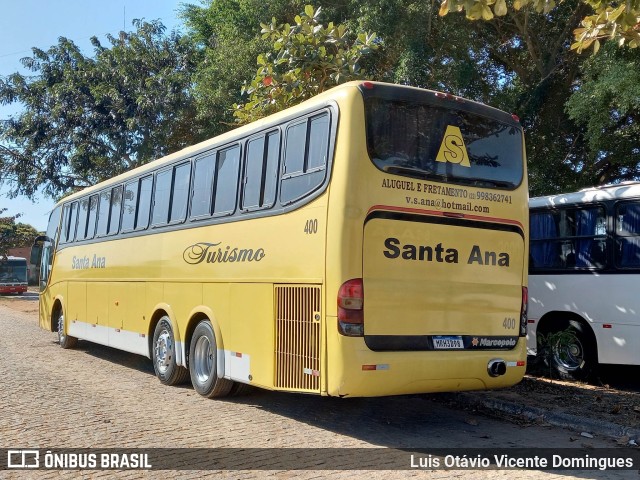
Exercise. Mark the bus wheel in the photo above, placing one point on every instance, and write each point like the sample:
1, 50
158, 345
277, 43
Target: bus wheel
65, 341
240, 389
164, 355
576, 359
203, 357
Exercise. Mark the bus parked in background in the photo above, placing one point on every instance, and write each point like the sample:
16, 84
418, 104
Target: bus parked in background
370, 241
584, 268
13, 275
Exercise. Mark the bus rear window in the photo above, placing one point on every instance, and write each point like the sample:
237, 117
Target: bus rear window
431, 142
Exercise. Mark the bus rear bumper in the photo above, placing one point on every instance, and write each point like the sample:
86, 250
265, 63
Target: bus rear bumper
357, 371
13, 289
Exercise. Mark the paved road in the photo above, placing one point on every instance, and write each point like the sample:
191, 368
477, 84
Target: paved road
98, 397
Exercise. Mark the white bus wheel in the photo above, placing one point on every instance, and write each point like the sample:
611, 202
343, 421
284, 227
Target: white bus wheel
578, 358
164, 355
203, 357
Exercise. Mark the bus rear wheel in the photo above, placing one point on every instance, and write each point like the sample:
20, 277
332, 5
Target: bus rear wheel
65, 341
164, 355
576, 359
203, 359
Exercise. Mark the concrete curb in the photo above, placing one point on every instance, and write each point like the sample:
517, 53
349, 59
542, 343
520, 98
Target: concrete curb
534, 414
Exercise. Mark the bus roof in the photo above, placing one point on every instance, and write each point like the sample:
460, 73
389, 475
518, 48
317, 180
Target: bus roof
589, 195
234, 134
221, 140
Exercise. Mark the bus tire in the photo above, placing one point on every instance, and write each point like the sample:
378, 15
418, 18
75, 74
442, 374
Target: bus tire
577, 360
65, 341
240, 389
203, 360
163, 354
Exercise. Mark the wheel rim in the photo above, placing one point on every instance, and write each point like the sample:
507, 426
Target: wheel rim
164, 351
203, 359
61, 335
570, 357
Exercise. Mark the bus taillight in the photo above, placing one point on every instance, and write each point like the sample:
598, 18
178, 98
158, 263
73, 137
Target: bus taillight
351, 308
523, 312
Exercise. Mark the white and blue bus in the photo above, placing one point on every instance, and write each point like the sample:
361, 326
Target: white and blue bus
584, 268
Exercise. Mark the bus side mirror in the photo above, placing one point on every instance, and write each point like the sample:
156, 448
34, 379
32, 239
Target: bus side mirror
36, 253
36, 249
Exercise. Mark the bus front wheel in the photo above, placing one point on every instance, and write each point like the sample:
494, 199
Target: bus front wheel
203, 359
577, 358
164, 355
65, 341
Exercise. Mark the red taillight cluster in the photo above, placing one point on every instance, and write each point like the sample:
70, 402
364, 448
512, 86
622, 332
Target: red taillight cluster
351, 308
523, 312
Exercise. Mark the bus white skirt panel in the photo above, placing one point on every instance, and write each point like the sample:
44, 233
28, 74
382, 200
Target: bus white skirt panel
609, 303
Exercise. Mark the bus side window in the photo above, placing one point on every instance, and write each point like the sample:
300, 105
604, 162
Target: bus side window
226, 181
261, 171
171, 195
87, 218
83, 214
144, 203
180, 192
204, 169
306, 152
65, 224
115, 210
161, 197
130, 201
73, 219
93, 213
628, 235
103, 213
254, 160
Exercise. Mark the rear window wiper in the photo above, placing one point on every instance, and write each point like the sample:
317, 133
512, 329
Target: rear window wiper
485, 182
411, 171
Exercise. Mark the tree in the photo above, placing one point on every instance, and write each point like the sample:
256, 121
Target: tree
520, 63
607, 105
307, 58
14, 235
87, 119
227, 34
611, 19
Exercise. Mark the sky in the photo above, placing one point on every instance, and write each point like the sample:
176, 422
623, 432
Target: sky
39, 23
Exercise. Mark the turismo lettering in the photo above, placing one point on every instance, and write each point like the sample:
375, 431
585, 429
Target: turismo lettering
208, 253
427, 253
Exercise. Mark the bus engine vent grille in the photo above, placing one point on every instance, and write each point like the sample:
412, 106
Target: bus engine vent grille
297, 338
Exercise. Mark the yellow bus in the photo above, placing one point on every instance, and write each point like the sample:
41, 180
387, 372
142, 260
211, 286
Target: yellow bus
370, 241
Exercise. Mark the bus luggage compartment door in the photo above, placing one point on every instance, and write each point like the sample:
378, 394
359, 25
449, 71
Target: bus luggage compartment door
439, 283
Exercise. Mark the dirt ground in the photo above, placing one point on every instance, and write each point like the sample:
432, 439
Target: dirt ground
617, 403
614, 396
27, 302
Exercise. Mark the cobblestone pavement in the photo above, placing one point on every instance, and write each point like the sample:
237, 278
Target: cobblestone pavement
98, 397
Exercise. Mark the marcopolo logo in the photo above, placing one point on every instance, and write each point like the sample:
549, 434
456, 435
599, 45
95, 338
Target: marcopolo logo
204, 252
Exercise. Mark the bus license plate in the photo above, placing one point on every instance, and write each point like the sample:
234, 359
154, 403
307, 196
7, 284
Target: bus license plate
447, 343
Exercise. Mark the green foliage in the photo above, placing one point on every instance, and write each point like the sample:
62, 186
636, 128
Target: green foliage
148, 94
227, 33
307, 58
607, 105
612, 20
87, 119
14, 235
